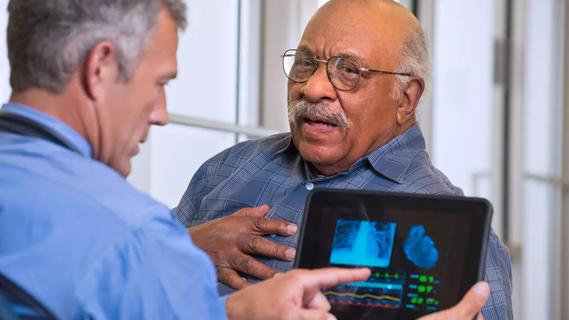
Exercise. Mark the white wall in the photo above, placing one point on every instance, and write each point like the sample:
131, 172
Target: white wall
463, 95
207, 62
207, 88
543, 92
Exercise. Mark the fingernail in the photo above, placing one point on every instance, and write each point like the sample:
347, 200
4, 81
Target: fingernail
292, 228
290, 253
330, 317
481, 288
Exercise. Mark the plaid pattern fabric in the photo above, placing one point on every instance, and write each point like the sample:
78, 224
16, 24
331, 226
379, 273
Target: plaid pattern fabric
271, 171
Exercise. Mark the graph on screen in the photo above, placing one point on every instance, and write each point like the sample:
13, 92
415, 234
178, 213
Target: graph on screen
382, 290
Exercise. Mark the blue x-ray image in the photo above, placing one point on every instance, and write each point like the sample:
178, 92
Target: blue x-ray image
420, 248
363, 243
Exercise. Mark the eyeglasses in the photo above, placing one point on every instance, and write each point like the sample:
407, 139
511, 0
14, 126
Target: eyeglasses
344, 72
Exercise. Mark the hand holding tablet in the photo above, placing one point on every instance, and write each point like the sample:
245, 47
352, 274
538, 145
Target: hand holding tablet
424, 252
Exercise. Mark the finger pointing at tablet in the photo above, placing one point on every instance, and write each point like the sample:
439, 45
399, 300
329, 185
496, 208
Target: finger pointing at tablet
292, 295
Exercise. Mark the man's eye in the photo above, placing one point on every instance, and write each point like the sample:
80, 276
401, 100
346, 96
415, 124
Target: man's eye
304, 62
349, 69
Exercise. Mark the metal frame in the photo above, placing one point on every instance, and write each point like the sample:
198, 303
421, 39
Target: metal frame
250, 131
559, 281
515, 143
564, 288
250, 57
506, 156
424, 10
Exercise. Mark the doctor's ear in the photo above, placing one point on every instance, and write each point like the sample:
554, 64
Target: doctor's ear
100, 70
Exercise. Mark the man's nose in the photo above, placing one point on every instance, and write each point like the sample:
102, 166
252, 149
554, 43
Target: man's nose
318, 87
159, 115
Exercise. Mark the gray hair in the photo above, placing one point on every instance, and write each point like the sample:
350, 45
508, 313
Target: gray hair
49, 39
415, 59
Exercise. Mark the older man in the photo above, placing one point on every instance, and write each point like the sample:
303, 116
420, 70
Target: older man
355, 81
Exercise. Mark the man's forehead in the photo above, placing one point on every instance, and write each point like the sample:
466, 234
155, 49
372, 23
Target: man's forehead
360, 19
323, 51
388, 6
353, 30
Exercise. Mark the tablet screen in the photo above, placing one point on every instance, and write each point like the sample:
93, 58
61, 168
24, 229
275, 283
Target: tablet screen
424, 252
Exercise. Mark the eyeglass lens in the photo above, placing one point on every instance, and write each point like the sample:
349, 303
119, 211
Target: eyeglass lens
343, 72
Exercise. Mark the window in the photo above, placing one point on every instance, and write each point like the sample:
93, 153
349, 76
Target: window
230, 88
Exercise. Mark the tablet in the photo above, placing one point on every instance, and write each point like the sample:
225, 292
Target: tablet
424, 251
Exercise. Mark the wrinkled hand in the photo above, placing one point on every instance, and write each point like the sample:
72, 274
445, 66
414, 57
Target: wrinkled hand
467, 308
232, 241
292, 295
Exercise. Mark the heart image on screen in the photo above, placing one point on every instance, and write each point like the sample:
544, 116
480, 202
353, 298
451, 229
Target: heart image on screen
420, 248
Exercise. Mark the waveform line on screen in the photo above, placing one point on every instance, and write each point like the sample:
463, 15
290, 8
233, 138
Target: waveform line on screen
379, 285
369, 305
363, 296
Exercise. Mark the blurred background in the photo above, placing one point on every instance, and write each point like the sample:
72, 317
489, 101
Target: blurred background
496, 118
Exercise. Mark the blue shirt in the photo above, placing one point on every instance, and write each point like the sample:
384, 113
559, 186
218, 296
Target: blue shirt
271, 171
81, 240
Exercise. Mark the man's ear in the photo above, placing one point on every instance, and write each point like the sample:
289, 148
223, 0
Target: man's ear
100, 69
409, 100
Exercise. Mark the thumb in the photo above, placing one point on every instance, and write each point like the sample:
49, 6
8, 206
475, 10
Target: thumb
468, 307
473, 301
254, 212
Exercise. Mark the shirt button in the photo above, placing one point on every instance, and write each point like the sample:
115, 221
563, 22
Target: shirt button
309, 186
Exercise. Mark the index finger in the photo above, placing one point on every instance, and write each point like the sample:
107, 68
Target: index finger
259, 211
329, 277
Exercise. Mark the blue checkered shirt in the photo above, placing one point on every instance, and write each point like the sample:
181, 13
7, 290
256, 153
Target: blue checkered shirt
271, 171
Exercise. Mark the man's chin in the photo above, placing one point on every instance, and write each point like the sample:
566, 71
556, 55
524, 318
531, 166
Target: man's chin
320, 156
135, 150
122, 167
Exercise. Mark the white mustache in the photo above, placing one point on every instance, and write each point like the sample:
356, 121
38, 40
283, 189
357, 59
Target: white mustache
300, 109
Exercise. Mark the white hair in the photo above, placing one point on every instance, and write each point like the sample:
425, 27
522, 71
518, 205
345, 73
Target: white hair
415, 59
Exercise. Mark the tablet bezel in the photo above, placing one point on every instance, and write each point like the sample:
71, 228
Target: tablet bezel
316, 197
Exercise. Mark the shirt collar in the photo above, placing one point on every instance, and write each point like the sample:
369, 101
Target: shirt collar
289, 146
57, 126
394, 158
390, 160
